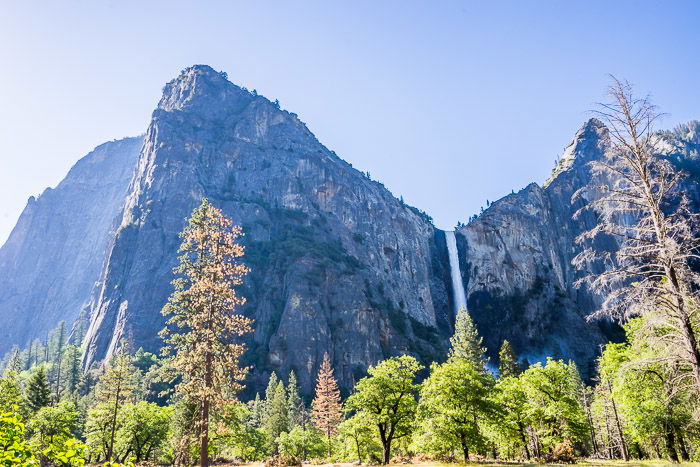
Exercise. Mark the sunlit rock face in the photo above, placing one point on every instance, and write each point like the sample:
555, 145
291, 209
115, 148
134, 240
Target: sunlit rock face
338, 264
53, 256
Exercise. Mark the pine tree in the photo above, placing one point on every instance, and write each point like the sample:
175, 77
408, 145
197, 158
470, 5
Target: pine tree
466, 342
38, 390
295, 406
37, 352
73, 368
276, 417
270, 390
14, 362
507, 361
203, 329
327, 408
58, 341
257, 411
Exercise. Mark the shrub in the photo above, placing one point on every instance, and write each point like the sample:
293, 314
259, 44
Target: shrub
563, 453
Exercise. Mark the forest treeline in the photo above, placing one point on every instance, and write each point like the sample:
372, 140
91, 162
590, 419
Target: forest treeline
182, 406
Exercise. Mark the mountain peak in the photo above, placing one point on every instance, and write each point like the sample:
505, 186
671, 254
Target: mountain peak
585, 145
198, 86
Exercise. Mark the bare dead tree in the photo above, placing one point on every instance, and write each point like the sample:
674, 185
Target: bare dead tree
643, 205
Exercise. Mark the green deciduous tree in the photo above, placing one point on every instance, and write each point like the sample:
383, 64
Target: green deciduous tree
14, 449
455, 405
300, 444
387, 398
511, 431
144, 430
357, 438
553, 407
52, 428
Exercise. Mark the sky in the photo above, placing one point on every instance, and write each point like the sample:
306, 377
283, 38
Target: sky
448, 103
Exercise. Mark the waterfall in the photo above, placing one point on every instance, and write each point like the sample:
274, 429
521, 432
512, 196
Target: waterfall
460, 297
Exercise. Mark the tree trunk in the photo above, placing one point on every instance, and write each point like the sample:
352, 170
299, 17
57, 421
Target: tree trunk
465, 447
359, 453
524, 440
328, 436
204, 434
688, 331
681, 444
590, 420
386, 455
618, 425
386, 444
671, 445
58, 379
114, 422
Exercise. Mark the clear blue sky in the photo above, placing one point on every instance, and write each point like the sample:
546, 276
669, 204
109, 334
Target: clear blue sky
448, 103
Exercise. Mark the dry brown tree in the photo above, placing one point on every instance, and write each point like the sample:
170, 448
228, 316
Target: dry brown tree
327, 407
639, 199
204, 326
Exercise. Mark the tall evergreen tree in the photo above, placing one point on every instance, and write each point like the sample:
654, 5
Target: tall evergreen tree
57, 342
295, 406
38, 390
327, 408
276, 419
466, 342
79, 328
73, 368
507, 361
257, 411
203, 329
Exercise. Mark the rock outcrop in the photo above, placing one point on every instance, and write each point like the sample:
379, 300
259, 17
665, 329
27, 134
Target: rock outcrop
50, 262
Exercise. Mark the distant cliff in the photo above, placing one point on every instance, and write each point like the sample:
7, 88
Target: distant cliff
50, 262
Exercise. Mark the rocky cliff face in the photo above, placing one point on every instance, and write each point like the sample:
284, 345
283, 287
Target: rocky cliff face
518, 253
54, 254
518, 263
338, 264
